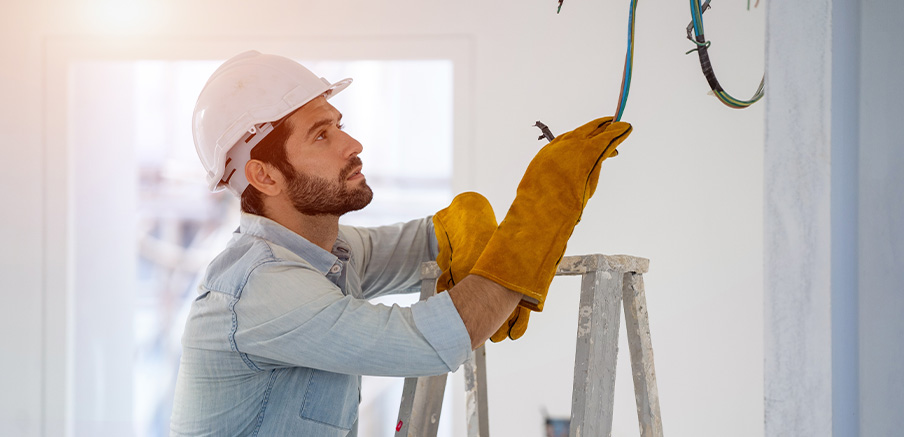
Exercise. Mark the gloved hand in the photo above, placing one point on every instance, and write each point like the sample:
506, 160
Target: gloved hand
514, 327
462, 230
525, 250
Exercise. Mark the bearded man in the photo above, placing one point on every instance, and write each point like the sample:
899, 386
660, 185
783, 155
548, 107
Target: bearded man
282, 329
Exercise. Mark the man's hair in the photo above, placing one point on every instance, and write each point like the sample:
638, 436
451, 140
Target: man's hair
271, 150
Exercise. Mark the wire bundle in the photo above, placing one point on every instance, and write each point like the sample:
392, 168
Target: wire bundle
702, 51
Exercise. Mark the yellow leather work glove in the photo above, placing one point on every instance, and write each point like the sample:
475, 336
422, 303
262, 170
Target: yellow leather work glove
526, 248
463, 230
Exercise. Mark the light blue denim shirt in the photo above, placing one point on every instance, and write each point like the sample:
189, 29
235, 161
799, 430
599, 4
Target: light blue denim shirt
281, 330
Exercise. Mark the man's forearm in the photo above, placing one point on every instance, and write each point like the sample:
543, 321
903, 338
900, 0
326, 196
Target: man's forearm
483, 306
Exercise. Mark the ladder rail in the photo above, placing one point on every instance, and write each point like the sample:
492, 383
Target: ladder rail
640, 344
596, 353
477, 419
422, 398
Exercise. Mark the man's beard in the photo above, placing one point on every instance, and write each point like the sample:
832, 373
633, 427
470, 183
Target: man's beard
312, 195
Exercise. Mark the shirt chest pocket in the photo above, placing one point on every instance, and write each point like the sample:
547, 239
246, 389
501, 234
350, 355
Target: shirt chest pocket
331, 399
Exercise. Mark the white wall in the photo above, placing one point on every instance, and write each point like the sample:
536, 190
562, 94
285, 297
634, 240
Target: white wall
803, 161
881, 220
686, 191
834, 218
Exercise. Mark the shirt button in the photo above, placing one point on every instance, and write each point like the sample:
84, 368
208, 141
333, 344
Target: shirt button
335, 268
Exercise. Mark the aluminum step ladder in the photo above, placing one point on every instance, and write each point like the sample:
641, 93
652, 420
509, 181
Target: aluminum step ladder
607, 281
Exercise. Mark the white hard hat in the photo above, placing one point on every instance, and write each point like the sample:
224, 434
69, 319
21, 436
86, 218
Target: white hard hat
236, 108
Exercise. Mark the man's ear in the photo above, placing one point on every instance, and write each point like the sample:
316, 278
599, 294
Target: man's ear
265, 177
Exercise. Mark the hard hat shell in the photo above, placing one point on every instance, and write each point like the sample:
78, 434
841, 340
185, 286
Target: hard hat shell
240, 99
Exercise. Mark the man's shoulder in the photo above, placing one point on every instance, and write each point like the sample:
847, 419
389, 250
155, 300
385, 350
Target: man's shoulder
231, 268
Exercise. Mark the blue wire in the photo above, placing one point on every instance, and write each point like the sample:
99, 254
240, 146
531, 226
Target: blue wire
695, 14
629, 63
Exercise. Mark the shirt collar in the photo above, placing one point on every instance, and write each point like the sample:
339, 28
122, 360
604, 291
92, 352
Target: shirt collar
269, 230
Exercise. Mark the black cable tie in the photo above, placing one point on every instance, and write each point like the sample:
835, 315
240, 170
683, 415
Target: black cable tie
706, 65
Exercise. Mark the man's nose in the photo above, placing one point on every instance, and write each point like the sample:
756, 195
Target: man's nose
352, 146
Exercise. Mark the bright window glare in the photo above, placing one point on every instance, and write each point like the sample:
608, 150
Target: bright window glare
401, 112
116, 15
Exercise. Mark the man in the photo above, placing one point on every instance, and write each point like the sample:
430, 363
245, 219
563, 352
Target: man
281, 330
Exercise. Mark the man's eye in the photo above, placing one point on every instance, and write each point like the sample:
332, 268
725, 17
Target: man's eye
323, 134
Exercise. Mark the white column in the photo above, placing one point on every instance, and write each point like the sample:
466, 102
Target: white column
882, 219
810, 248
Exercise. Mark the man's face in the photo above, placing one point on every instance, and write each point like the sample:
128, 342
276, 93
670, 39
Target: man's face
327, 179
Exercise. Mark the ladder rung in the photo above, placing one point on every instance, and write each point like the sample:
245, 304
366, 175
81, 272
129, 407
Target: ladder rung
574, 265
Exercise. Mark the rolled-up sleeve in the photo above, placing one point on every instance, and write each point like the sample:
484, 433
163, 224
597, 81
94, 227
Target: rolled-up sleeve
290, 315
388, 258
439, 322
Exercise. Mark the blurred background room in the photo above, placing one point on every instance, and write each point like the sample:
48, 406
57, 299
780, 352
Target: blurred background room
775, 234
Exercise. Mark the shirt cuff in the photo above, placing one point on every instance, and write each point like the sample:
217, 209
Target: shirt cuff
440, 324
432, 243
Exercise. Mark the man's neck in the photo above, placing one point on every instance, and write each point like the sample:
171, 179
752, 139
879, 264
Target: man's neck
321, 230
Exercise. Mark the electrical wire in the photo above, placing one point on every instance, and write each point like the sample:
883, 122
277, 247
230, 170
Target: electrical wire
629, 65
702, 50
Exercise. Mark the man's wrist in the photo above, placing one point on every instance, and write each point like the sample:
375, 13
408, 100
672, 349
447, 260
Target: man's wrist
483, 306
